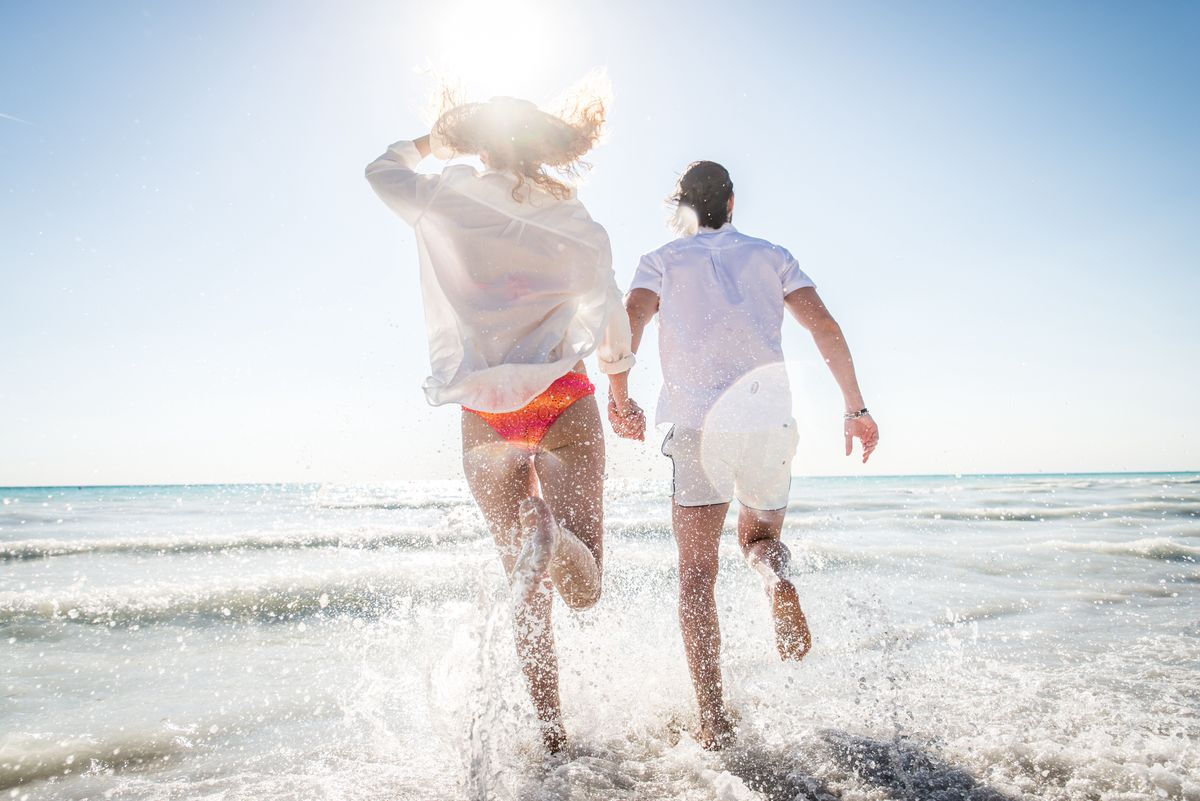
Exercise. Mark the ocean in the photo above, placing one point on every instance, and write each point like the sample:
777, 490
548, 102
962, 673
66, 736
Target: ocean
994, 637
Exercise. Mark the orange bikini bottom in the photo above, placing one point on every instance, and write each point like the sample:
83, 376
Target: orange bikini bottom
527, 425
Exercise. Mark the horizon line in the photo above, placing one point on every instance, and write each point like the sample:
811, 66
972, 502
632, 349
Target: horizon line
1048, 474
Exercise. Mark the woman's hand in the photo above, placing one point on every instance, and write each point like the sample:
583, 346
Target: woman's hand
867, 432
628, 421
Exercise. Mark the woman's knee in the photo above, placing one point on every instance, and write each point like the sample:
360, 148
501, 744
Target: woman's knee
579, 603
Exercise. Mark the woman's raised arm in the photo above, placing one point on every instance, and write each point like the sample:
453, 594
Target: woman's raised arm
394, 178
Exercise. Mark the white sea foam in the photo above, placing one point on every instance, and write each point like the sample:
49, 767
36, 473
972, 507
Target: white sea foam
370, 592
1159, 548
398, 537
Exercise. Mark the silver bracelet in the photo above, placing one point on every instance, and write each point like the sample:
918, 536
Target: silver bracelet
855, 415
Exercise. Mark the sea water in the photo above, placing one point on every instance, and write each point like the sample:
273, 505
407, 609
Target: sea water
1008, 637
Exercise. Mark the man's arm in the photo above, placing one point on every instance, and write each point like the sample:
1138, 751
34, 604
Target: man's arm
808, 309
626, 418
641, 305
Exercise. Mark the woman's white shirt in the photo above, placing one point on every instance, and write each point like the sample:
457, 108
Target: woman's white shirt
515, 293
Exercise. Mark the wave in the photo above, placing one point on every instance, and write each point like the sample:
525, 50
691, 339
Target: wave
465, 525
980, 612
254, 540
394, 496
1148, 511
26, 758
365, 594
1157, 548
393, 506
462, 529
389, 586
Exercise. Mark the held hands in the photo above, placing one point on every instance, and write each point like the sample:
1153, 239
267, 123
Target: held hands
627, 423
867, 432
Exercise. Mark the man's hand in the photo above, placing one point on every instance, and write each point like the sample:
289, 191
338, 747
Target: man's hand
867, 432
629, 422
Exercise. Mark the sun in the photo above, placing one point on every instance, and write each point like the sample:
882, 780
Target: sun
512, 48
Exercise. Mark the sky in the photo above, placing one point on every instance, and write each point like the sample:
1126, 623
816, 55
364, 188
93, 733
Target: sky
997, 201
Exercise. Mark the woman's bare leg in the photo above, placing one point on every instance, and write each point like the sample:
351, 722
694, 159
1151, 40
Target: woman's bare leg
501, 477
759, 536
560, 534
570, 469
698, 537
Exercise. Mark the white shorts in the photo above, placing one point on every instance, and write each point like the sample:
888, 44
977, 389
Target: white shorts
718, 466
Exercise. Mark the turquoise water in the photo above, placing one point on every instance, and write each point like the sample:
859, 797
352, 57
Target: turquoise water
1020, 637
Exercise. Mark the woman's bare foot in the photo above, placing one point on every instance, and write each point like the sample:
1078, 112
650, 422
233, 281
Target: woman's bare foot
792, 637
539, 534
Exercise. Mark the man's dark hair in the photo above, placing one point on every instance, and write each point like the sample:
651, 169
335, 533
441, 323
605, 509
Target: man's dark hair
705, 187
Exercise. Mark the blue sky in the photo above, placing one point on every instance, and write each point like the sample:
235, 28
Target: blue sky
997, 201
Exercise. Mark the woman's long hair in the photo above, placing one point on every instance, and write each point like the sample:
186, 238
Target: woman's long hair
517, 137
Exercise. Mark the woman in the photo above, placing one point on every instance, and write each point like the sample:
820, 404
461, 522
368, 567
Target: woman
518, 289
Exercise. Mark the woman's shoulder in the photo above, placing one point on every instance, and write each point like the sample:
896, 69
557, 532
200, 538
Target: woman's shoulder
526, 202
452, 173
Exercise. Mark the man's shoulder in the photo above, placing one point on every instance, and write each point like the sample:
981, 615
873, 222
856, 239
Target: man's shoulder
738, 239
668, 248
675, 250
728, 241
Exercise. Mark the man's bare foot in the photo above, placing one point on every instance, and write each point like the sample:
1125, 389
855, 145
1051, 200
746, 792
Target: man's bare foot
792, 637
717, 733
554, 737
539, 533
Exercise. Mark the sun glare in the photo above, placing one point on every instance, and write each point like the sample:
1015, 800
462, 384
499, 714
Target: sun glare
509, 48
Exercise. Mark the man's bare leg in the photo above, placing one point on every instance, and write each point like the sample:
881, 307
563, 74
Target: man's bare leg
759, 536
698, 537
501, 477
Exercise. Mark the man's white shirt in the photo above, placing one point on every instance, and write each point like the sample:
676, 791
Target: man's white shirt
720, 326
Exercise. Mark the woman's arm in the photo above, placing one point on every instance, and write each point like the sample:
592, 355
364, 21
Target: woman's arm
394, 178
624, 415
616, 360
627, 419
809, 310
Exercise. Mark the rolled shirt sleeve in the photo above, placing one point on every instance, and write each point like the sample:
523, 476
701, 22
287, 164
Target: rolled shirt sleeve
649, 274
394, 178
791, 276
614, 352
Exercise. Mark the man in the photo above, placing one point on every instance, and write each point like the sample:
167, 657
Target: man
720, 297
